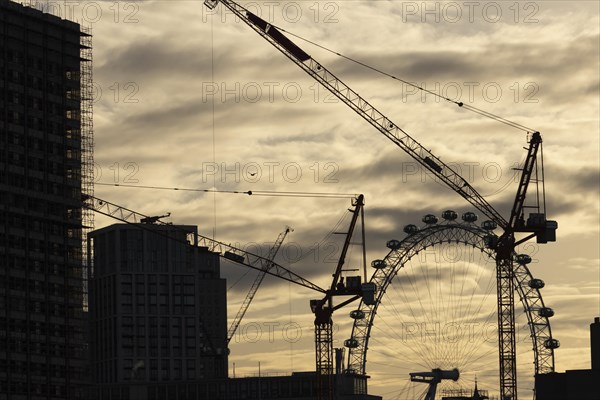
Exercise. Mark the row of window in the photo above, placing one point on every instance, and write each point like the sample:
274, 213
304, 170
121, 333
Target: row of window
39, 224
37, 205
35, 286
39, 265
53, 87
163, 347
154, 279
15, 387
33, 245
141, 252
35, 327
51, 67
32, 307
20, 345
48, 142
143, 369
38, 103
36, 167
22, 181
37, 122
32, 368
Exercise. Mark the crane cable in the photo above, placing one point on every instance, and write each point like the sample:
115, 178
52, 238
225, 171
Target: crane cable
270, 193
212, 77
458, 103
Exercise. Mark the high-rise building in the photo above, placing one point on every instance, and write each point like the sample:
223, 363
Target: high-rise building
45, 165
158, 307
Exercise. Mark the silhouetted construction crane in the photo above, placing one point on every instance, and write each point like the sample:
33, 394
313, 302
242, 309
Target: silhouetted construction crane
227, 251
256, 284
324, 308
536, 224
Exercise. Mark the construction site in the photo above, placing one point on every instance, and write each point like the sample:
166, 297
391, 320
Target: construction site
120, 283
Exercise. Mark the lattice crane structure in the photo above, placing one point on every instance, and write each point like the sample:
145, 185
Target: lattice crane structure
250, 260
536, 224
324, 308
256, 284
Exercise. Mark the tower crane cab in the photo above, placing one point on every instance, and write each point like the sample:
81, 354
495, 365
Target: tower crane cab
545, 230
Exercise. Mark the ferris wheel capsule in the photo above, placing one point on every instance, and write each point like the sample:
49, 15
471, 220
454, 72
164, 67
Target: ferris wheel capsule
523, 259
469, 217
393, 244
551, 343
546, 312
351, 343
449, 215
378, 264
430, 219
410, 229
536, 283
357, 314
489, 225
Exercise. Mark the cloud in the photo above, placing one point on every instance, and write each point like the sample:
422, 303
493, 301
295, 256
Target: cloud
182, 62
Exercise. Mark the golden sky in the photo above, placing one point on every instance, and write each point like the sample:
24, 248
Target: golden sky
191, 98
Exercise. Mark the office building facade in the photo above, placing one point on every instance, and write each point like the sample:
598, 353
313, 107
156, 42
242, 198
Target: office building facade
45, 165
157, 307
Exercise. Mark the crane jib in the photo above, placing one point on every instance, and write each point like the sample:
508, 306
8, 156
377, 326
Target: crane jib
279, 37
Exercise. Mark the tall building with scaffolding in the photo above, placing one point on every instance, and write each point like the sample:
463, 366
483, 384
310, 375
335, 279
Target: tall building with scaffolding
46, 168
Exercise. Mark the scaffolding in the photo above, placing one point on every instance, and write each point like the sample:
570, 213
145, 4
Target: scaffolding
87, 150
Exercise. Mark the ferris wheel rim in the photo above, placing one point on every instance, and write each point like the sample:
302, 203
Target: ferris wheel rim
458, 232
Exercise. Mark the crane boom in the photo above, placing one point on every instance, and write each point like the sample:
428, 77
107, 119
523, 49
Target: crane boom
536, 224
517, 219
224, 250
255, 285
362, 107
358, 208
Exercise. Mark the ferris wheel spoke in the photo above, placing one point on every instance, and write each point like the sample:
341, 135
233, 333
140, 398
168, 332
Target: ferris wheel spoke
437, 308
418, 349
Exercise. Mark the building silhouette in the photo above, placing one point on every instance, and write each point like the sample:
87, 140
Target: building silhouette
158, 308
578, 384
45, 164
158, 314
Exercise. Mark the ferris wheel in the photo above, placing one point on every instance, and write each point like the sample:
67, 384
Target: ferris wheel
436, 308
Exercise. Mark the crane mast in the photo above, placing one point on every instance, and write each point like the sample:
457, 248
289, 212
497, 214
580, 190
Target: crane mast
256, 284
536, 224
324, 308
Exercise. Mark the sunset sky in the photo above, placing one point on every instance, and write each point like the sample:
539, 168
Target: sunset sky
192, 98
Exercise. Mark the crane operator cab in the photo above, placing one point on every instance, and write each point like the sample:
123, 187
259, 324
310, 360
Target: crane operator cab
545, 230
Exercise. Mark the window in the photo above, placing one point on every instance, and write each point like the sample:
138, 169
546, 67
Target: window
175, 326
164, 369
191, 369
177, 369
176, 342
153, 369
141, 326
139, 303
127, 368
